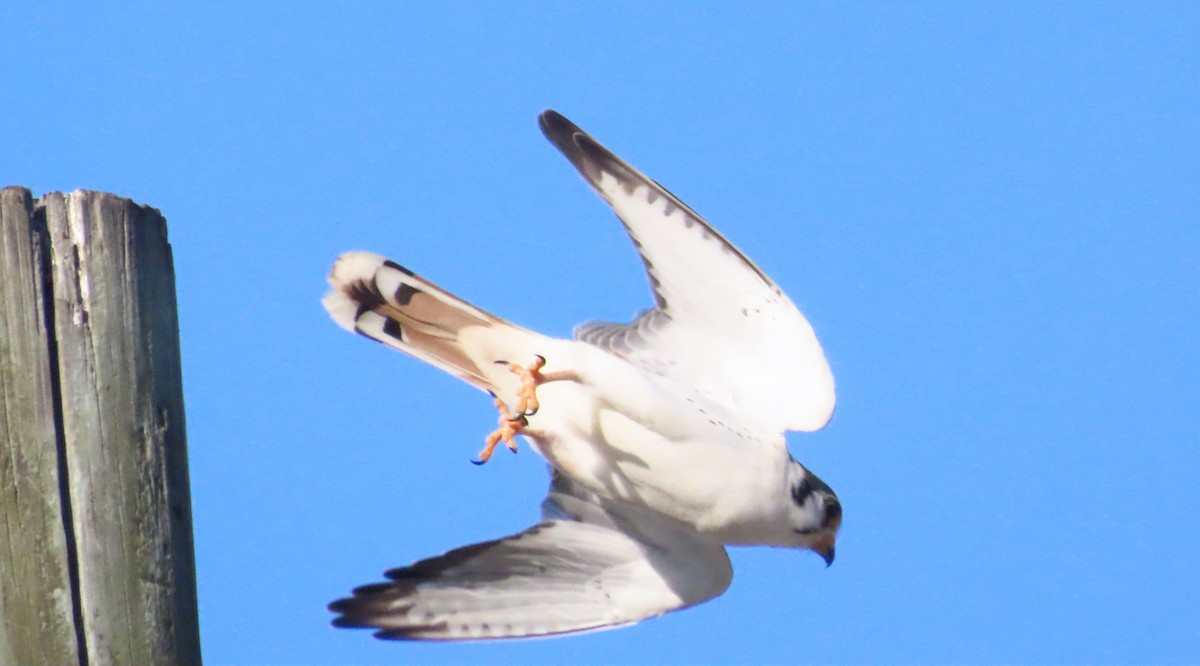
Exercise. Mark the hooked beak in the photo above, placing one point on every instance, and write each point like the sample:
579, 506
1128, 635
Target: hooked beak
824, 548
833, 521
827, 555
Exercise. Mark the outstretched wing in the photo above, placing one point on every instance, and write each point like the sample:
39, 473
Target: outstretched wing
721, 326
587, 566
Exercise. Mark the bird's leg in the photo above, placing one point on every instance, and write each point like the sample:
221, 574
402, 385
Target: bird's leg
510, 426
513, 423
532, 377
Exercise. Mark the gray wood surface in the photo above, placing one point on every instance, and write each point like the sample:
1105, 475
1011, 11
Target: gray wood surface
93, 309
35, 588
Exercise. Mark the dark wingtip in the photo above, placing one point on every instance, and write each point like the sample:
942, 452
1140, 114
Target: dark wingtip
587, 155
346, 623
563, 134
349, 614
553, 123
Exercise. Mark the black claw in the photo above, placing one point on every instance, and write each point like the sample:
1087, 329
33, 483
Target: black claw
500, 362
478, 462
491, 393
541, 358
530, 412
519, 418
513, 450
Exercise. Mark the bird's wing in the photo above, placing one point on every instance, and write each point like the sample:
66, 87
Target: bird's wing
589, 565
721, 327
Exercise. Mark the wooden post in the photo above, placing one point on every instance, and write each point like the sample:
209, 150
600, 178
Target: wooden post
96, 555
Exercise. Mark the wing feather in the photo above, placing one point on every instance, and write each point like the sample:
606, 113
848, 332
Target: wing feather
720, 325
590, 565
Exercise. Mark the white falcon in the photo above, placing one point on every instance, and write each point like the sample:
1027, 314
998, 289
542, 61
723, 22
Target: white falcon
665, 435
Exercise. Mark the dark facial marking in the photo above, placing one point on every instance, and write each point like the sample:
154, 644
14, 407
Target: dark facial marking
807, 486
801, 491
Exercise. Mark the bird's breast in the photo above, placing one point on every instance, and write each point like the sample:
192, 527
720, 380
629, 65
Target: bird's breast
692, 469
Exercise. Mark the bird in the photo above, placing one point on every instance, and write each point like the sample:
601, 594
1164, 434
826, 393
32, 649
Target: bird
664, 436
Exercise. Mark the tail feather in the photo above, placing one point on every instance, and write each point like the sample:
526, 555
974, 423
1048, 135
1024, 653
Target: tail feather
386, 302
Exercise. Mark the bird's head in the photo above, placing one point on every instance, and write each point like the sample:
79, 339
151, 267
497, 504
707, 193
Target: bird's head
814, 513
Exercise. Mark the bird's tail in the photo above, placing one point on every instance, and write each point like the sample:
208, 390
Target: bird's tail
386, 302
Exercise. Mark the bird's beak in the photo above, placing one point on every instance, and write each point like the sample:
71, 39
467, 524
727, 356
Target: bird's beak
824, 547
827, 555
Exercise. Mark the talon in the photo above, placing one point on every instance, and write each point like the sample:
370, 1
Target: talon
513, 422
502, 434
489, 447
510, 442
510, 427
531, 377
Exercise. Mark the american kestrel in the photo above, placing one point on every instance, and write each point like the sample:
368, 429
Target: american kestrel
665, 436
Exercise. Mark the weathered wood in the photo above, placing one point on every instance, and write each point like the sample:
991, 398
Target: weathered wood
122, 457
35, 585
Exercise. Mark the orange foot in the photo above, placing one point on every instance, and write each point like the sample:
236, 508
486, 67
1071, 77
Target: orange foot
531, 377
510, 427
513, 423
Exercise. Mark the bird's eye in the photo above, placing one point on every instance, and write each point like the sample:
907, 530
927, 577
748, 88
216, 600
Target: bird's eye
833, 513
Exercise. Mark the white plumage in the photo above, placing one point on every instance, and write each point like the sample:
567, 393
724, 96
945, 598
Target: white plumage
665, 435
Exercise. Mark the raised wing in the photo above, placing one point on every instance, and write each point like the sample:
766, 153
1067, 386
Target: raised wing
721, 326
587, 566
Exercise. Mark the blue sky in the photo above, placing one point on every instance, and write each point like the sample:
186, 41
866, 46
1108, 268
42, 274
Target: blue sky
990, 212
